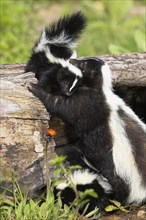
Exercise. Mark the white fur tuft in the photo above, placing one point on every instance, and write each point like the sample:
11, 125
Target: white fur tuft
62, 186
82, 177
78, 177
103, 182
107, 76
42, 42
61, 39
73, 85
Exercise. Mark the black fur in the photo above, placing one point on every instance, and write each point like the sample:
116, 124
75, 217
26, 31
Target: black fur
87, 113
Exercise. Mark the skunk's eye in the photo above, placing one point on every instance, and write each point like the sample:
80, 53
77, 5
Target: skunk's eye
84, 65
93, 73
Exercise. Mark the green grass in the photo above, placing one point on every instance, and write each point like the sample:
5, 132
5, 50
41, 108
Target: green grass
47, 208
17, 37
112, 26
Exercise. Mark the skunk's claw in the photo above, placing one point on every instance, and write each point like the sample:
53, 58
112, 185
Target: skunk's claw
33, 87
37, 91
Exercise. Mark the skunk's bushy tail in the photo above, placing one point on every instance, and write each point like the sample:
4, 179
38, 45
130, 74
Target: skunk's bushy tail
55, 45
67, 30
62, 34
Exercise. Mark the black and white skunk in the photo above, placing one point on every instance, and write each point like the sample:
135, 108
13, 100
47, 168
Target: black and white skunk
110, 135
110, 140
53, 51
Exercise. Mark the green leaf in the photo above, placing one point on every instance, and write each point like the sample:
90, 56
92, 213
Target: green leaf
58, 160
56, 173
90, 214
110, 208
4, 207
88, 192
85, 209
116, 203
9, 202
123, 209
75, 167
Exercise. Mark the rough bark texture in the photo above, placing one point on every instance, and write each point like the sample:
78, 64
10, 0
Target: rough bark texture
128, 69
24, 120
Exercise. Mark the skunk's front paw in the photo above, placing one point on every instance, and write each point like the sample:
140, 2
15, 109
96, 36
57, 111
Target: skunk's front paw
37, 91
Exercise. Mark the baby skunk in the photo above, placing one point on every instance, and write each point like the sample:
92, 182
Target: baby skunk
110, 136
52, 52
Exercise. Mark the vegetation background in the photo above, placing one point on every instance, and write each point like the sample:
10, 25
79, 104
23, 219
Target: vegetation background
114, 26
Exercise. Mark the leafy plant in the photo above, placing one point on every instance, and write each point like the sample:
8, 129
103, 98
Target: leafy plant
115, 206
23, 208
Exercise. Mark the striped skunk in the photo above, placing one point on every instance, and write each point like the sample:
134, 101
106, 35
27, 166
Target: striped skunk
111, 138
51, 53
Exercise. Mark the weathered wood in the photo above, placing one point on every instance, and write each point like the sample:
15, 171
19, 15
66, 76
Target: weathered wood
24, 120
128, 69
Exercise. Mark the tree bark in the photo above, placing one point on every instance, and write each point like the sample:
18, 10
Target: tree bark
24, 120
127, 69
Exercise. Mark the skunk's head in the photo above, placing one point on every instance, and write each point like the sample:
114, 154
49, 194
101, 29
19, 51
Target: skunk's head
59, 80
96, 73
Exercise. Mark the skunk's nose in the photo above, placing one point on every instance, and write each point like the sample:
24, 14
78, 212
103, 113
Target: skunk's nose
74, 62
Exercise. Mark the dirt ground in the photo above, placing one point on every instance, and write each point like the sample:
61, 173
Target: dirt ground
135, 213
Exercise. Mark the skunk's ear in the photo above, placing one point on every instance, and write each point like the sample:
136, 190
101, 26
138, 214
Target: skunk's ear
74, 62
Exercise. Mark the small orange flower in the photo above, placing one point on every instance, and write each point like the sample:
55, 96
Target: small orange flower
51, 132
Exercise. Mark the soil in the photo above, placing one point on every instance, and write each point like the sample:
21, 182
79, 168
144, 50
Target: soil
135, 213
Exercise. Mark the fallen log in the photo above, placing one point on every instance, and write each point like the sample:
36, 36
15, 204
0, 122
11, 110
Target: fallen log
24, 120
